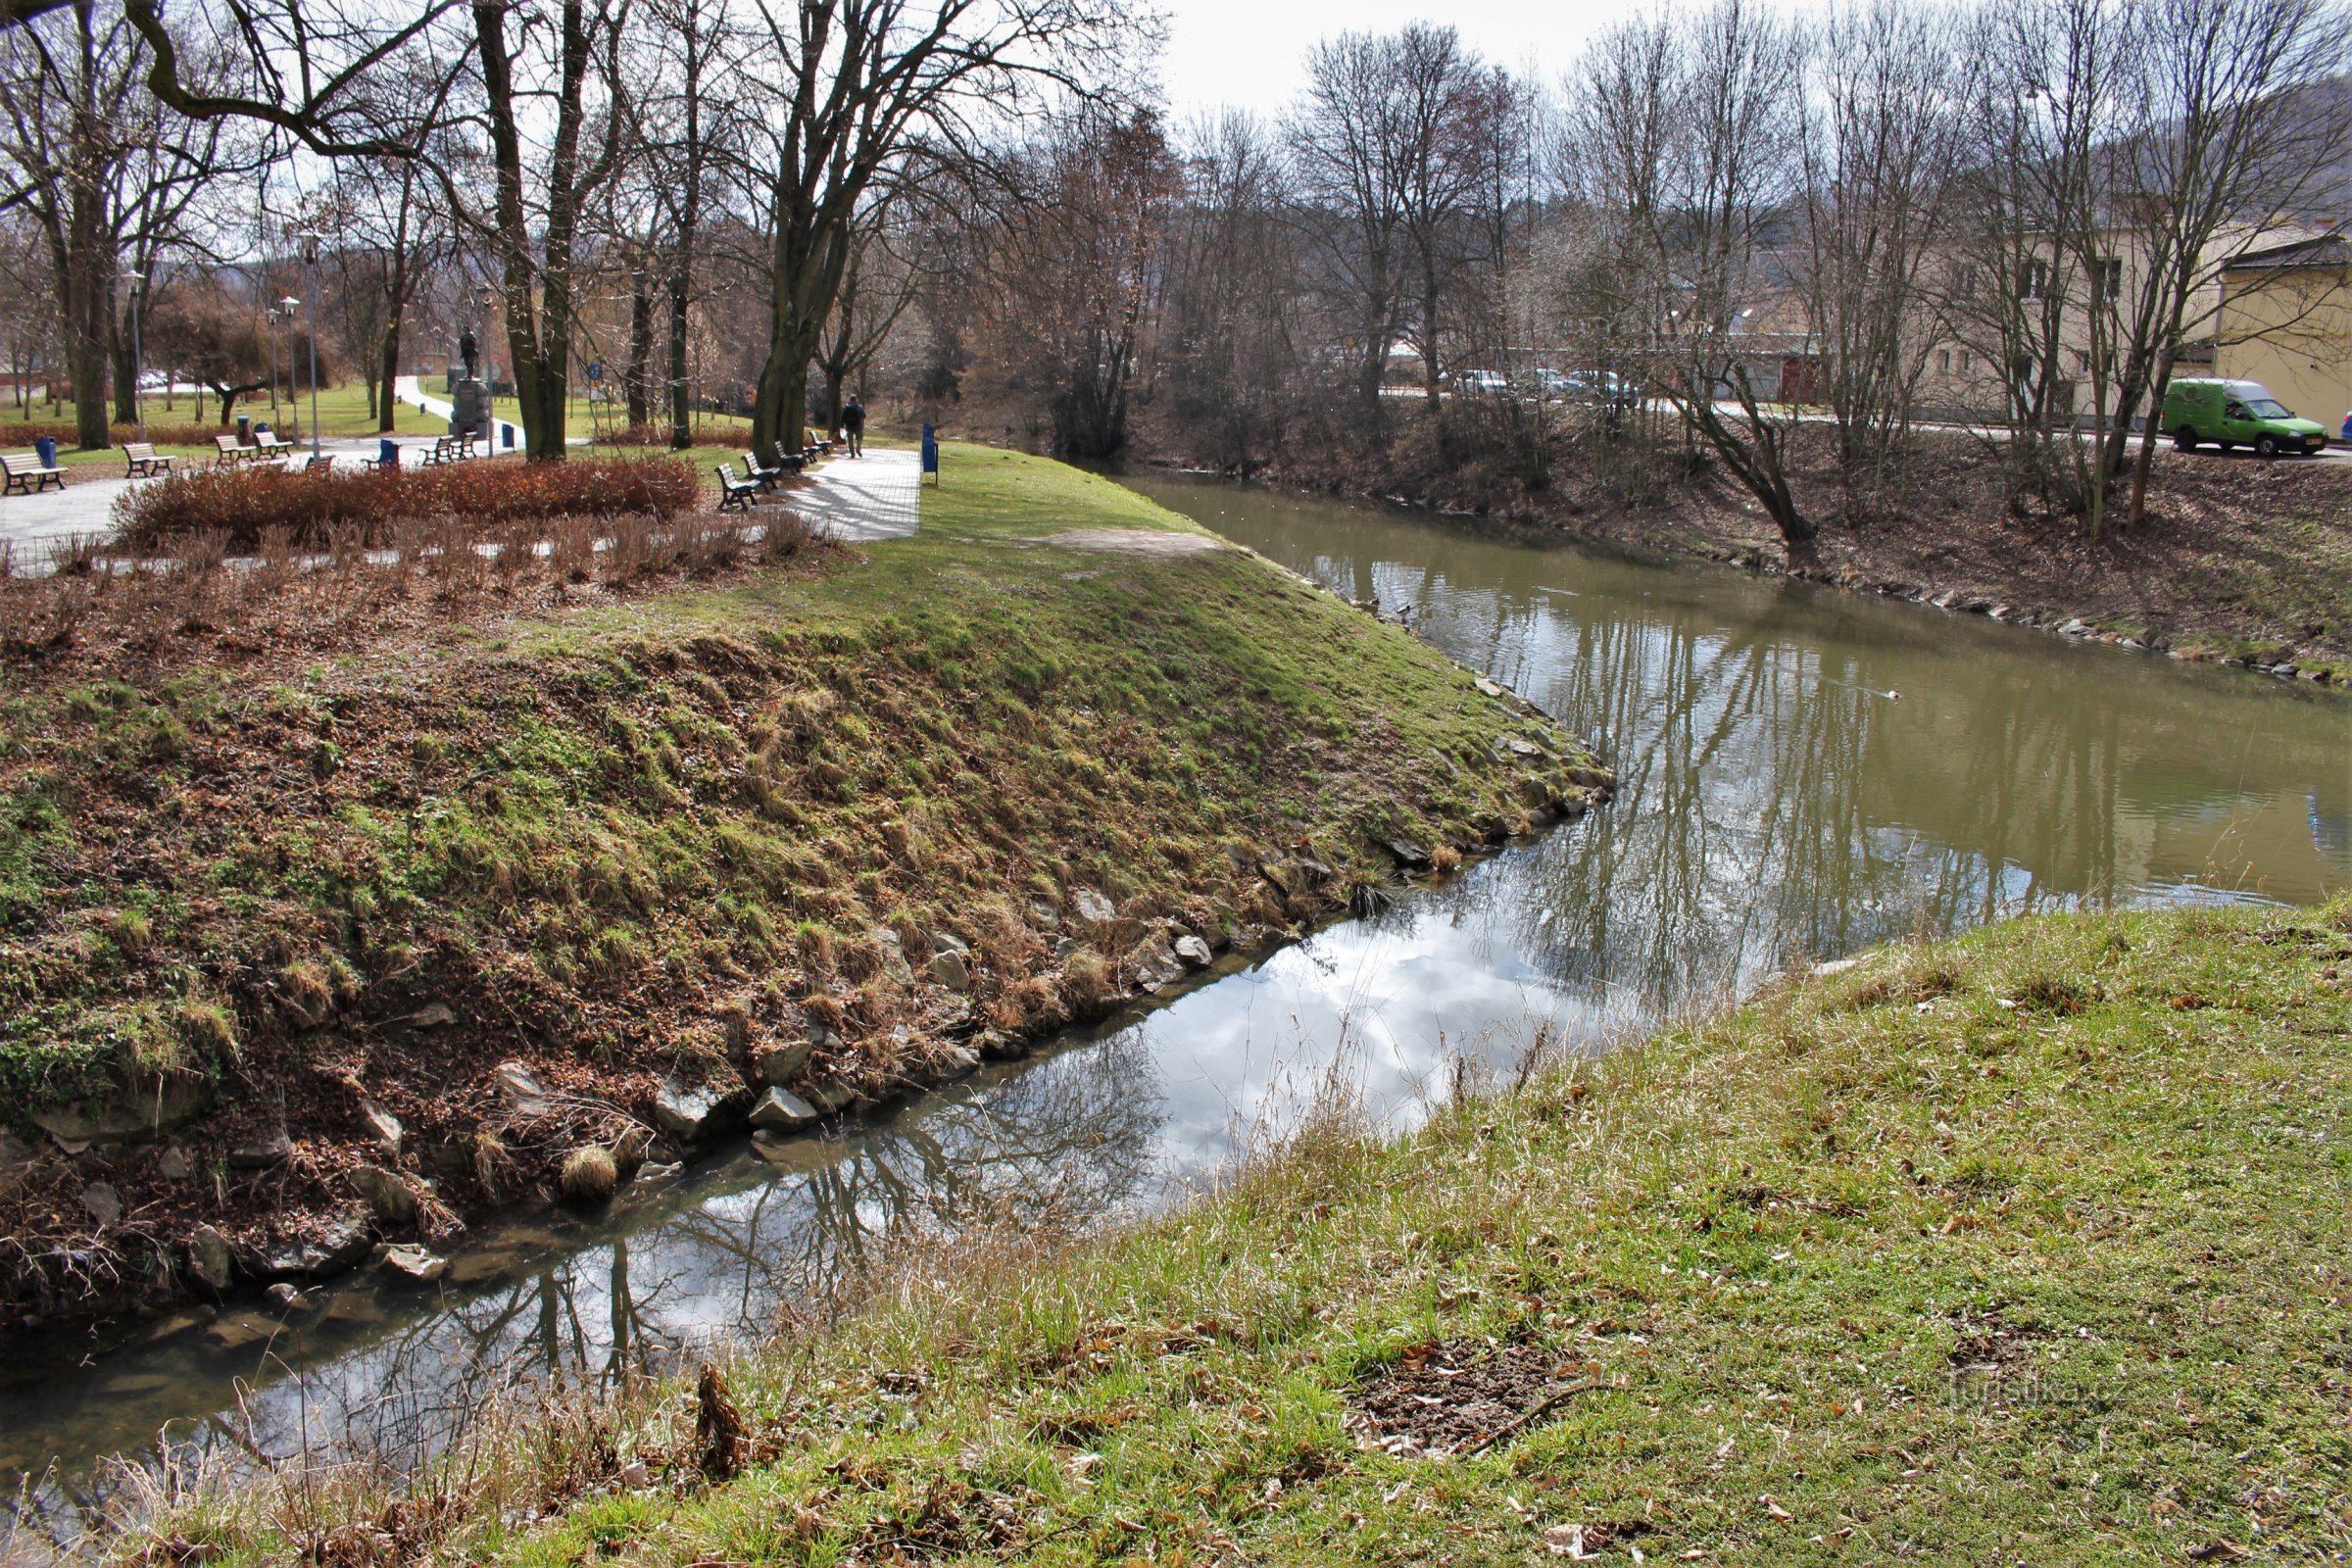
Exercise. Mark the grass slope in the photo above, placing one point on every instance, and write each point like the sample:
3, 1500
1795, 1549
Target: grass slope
649, 838
2026, 1247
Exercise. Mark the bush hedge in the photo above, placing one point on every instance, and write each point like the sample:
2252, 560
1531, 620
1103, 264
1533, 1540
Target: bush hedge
15, 434
241, 506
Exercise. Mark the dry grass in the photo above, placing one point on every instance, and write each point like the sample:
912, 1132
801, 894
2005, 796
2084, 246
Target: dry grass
90, 603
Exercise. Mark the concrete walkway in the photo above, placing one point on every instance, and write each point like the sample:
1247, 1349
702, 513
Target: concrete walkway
857, 500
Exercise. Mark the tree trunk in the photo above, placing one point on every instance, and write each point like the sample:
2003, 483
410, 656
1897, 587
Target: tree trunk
388, 374
681, 395
636, 393
2144, 460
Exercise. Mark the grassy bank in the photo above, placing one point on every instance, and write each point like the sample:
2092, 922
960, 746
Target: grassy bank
274, 918
2240, 558
2026, 1247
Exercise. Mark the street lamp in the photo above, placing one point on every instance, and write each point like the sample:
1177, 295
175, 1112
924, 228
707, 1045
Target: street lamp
138, 404
287, 309
311, 239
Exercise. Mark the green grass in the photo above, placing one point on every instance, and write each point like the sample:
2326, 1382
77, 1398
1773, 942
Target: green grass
616, 829
2025, 1247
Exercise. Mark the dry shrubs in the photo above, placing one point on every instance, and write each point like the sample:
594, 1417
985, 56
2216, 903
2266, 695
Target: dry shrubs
244, 505
343, 584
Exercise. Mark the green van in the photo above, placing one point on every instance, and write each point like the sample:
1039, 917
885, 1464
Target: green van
2232, 414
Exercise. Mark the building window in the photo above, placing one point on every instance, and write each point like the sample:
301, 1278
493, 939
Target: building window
1943, 360
1965, 366
2033, 282
2107, 280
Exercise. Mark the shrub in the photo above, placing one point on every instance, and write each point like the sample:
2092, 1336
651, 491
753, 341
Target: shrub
242, 506
17, 434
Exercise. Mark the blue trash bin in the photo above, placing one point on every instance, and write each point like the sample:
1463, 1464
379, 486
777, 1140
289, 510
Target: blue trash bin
244, 429
387, 453
46, 446
506, 437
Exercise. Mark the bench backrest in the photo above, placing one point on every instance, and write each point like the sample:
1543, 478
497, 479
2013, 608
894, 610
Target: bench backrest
13, 460
227, 443
139, 450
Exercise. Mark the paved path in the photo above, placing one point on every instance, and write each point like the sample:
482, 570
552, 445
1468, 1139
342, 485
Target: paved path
878, 496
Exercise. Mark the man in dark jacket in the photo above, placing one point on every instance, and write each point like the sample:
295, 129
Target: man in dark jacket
853, 426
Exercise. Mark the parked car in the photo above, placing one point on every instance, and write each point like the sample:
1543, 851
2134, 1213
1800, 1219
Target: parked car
1481, 383
1598, 387
2232, 413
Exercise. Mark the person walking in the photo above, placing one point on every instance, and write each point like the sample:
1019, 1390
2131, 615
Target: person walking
853, 426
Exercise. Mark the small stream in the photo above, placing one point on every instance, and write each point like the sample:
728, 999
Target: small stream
1803, 774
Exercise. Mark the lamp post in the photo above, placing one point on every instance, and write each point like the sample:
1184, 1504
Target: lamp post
311, 239
270, 314
138, 404
288, 307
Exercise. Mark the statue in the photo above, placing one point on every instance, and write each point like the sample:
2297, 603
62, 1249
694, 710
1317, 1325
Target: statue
470, 351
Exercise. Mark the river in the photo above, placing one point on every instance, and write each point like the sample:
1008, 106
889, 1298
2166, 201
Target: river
1803, 774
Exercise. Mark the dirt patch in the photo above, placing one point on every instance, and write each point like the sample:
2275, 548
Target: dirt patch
1135, 541
1461, 1397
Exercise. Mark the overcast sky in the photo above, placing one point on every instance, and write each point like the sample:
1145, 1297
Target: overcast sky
1250, 53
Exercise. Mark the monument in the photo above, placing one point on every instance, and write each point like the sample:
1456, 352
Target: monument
469, 398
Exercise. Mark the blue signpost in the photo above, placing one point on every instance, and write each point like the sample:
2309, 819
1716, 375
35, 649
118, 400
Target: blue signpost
931, 452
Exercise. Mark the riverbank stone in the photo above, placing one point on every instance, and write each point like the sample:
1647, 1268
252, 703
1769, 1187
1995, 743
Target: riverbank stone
340, 1246
211, 1264
780, 1111
1092, 907
409, 1264
388, 1192
695, 1114
102, 1202
893, 955
266, 1153
520, 1087
1191, 951
776, 1063
382, 1126
951, 970
135, 1117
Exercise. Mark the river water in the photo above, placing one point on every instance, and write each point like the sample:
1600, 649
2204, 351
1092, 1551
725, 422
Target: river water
1803, 774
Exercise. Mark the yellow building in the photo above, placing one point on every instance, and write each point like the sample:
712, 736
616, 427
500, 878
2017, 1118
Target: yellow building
2286, 322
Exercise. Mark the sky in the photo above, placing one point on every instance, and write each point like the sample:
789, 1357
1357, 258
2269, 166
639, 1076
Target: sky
1251, 54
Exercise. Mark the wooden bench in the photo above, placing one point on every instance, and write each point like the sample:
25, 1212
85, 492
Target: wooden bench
144, 460
265, 444
788, 461
815, 443
227, 453
734, 495
318, 462
28, 474
762, 474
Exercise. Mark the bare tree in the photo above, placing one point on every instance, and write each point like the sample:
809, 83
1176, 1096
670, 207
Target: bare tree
1880, 141
106, 174
1688, 134
2233, 129
861, 83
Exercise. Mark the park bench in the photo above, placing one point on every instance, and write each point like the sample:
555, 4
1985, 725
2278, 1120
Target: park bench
762, 474
816, 444
449, 448
143, 460
787, 462
227, 453
734, 495
318, 462
28, 474
268, 444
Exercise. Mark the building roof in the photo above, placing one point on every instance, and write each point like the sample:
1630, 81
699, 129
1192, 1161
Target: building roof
2323, 250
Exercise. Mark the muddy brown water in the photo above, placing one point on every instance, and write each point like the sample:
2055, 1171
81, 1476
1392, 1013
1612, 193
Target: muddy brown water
1804, 774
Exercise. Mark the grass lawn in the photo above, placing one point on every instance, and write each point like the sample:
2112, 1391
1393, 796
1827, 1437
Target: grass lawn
2025, 1247
630, 839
